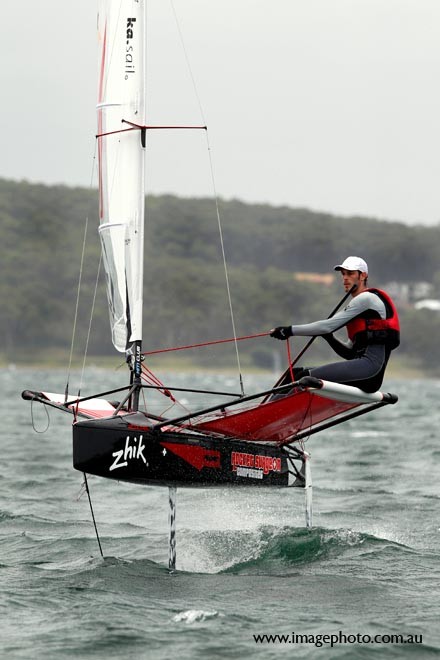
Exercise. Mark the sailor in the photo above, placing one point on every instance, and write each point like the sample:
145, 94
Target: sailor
372, 325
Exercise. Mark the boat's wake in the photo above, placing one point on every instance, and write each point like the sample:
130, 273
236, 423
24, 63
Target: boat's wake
271, 549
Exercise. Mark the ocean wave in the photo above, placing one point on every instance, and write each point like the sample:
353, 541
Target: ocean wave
270, 548
288, 548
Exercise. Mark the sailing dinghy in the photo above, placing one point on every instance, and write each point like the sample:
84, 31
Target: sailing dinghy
254, 440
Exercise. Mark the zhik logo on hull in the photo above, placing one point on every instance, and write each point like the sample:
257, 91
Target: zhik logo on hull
133, 450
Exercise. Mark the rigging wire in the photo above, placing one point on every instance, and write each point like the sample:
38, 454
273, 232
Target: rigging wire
89, 329
75, 318
80, 277
309, 405
188, 64
289, 360
33, 420
86, 485
205, 343
214, 189
225, 265
149, 377
86, 348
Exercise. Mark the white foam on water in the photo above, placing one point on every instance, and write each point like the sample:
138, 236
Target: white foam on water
194, 616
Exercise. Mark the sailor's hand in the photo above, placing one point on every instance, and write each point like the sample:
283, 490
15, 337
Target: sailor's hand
282, 332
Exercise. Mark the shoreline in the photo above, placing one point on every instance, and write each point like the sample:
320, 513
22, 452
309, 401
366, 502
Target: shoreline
397, 368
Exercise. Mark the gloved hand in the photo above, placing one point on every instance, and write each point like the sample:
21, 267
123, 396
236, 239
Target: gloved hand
282, 332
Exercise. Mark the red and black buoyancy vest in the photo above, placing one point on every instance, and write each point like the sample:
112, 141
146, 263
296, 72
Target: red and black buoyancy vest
368, 328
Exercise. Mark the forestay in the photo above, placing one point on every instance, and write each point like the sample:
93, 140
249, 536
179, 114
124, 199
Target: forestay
121, 99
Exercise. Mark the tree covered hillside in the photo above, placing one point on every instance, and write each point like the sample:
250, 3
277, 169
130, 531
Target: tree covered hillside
42, 232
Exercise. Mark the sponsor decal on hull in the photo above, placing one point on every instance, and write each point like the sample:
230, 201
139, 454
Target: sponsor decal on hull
133, 451
254, 466
250, 473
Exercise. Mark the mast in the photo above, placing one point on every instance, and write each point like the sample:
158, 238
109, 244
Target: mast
121, 157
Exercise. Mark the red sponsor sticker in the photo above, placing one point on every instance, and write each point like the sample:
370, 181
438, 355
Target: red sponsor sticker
259, 461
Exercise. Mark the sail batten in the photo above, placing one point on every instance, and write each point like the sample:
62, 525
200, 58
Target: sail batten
121, 98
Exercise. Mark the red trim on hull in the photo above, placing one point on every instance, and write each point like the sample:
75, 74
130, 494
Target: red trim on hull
198, 457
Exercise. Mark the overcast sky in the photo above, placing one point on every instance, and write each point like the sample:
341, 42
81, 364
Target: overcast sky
332, 105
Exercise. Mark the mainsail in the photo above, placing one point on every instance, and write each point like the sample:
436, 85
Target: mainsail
121, 110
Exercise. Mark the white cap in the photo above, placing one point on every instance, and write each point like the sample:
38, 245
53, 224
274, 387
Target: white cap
353, 263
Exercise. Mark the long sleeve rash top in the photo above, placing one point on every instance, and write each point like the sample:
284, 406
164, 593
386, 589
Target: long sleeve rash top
361, 303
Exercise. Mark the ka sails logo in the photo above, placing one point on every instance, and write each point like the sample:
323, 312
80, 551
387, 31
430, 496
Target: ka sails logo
129, 64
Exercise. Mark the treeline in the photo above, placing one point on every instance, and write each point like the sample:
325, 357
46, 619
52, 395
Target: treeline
42, 234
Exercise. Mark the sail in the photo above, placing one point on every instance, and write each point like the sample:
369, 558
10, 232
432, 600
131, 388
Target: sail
121, 99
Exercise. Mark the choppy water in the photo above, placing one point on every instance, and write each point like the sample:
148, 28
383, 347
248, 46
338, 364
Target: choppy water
246, 565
